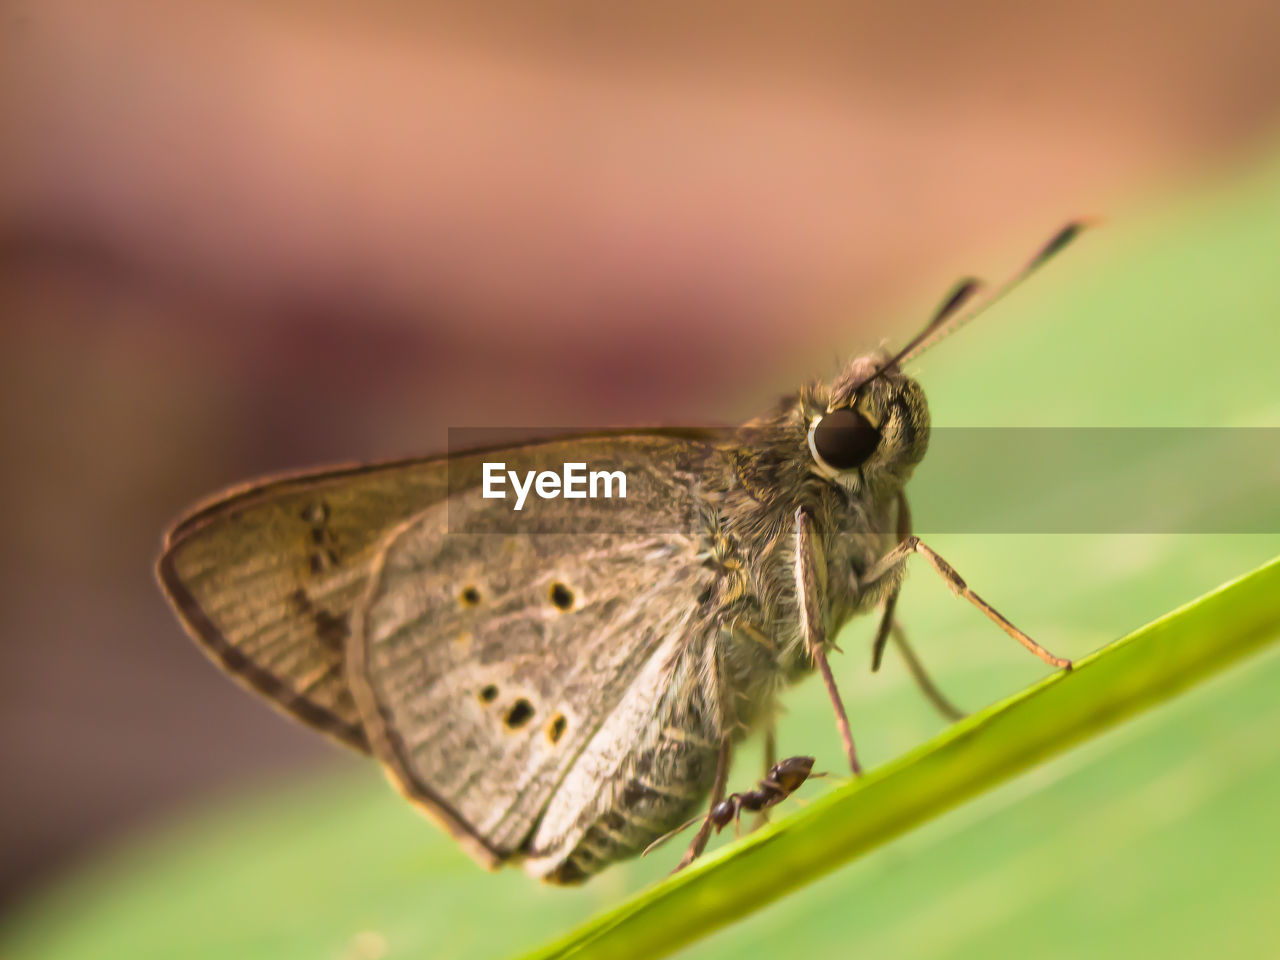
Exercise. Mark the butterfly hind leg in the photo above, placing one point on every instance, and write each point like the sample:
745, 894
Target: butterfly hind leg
948, 710
699, 842
770, 758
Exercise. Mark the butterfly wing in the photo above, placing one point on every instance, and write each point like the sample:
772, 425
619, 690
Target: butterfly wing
484, 663
266, 577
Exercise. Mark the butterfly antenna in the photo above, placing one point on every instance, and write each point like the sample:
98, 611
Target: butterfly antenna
952, 315
943, 326
959, 296
671, 833
942, 321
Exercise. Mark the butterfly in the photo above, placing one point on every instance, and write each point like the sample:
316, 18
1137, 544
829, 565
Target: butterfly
561, 690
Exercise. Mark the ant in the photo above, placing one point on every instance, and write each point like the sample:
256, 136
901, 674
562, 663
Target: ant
783, 779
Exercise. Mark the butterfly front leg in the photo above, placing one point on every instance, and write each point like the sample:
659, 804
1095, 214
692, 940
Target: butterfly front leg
811, 599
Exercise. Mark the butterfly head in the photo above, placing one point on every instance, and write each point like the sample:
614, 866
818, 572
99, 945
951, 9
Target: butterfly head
870, 427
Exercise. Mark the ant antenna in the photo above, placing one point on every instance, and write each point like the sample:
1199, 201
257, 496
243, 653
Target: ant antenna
671, 833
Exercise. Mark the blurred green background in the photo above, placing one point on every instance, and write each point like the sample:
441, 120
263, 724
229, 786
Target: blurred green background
268, 265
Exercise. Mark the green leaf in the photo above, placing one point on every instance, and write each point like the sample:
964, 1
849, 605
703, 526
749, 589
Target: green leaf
1150, 665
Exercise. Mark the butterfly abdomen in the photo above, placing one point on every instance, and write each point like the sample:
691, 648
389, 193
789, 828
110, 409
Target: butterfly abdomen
665, 785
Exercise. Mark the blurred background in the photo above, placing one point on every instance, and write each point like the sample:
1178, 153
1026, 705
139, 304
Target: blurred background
243, 237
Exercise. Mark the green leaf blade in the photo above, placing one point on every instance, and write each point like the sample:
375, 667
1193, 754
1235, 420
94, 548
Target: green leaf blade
1141, 670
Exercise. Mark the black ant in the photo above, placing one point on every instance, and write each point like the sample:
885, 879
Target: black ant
783, 779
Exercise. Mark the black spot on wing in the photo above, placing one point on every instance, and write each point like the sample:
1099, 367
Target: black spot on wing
520, 713
561, 596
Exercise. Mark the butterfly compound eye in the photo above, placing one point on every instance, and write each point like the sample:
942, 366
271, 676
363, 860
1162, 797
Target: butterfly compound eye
844, 439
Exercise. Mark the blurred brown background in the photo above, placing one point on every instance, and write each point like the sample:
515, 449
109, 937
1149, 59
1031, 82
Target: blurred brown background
242, 237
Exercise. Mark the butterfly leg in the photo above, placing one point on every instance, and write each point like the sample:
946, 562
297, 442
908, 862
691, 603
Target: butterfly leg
912, 544
883, 631
890, 627
699, 842
930, 690
770, 758
891, 601
770, 747
810, 596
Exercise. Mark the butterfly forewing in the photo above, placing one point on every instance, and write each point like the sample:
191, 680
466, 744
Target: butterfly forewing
266, 579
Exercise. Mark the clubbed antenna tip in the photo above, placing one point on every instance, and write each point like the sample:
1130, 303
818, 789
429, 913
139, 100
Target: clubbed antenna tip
1059, 241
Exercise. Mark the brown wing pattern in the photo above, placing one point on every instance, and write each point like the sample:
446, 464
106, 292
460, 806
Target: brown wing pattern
266, 578
484, 663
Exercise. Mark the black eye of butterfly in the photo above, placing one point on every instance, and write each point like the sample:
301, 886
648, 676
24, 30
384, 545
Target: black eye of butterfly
844, 439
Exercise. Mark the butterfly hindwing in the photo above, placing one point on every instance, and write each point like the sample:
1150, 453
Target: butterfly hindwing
484, 663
